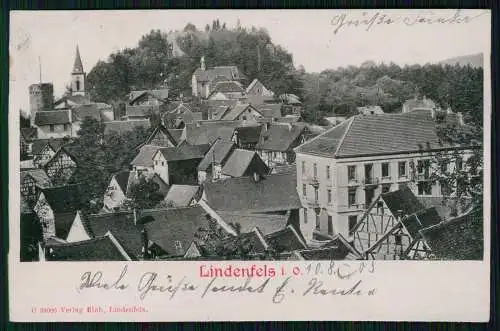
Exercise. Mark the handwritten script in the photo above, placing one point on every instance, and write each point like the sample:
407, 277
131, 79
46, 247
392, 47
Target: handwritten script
369, 20
344, 280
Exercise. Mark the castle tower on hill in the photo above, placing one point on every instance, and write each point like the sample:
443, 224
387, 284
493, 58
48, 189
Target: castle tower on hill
78, 76
41, 99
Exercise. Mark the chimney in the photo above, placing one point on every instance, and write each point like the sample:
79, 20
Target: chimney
256, 177
202, 63
460, 118
433, 113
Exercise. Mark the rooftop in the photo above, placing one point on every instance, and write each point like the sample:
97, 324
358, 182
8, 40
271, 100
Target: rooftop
280, 137
218, 153
52, 117
182, 195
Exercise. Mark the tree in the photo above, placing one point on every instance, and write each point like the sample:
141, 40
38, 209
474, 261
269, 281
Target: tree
145, 194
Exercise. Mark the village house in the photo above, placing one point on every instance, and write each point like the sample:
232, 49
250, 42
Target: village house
103, 248
370, 110
336, 248
163, 137
247, 136
207, 132
269, 203
203, 78
418, 103
56, 208
277, 142
216, 108
243, 163
142, 104
341, 171
178, 165
181, 116
257, 88
210, 167
32, 183
242, 112
180, 196
122, 127
61, 167
26, 138
44, 149
226, 90
143, 162
291, 104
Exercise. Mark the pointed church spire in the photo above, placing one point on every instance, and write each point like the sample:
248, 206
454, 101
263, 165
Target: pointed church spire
78, 67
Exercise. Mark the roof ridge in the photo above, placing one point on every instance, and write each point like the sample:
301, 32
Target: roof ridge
344, 135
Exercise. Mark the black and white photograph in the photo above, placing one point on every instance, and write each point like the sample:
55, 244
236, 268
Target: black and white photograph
229, 136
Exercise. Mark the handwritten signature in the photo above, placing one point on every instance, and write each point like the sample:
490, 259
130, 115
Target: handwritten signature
370, 20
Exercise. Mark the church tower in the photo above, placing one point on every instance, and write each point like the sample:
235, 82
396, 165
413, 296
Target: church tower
78, 76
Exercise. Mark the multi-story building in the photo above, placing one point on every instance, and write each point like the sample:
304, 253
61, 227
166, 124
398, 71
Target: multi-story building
342, 171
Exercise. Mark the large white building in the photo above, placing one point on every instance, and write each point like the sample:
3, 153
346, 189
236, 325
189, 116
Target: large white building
343, 170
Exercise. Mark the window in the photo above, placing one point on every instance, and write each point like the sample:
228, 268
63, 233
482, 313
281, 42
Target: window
304, 189
369, 195
353, 220
303, 167
317, 222
78, 84
368, 172
424, 188
385, 169
316, 194
66, 127
329, 195
327, 172
351, 173
398, 240
315, 167
444, 167
402, 169
156, 162
305, 215
162, 163
330, 225
51, 127
352, 197
459, 163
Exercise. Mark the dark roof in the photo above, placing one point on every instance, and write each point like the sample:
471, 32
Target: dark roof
336, 249
218, 153
176, 134
253, 240
122, 178
229, 72
76, 99
445, 207
370, 110
28, 133
402, 199
73, 150
257, 100
217, 108
104, 248
420, 220
227, 86
145, 156
123, 227
460, 238
77, 66
63, 199
279, 137
249, 134
143, 111
175, 224
184, 152
54, 143
160, 129
52, 117
287, 168
363, 135
241, 160
206, 132
285, 240
160, 94
266, 222
122, 127
182, 195
63, 222
272, 193
270, 110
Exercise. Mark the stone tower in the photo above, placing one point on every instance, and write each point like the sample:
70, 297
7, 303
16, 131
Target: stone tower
41, 99
78, 76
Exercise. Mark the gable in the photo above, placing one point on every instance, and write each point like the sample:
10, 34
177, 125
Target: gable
77, 232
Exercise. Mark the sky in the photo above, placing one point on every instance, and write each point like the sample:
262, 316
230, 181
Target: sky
317, 39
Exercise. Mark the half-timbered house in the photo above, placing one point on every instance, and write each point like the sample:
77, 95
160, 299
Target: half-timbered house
61, 167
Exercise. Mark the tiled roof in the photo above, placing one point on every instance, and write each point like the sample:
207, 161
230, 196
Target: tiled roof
29, 133
402, 199
227, 86
52, 117
145, 156
270, 110
420, 220
206, 132
92, 110
160, 129
123, 227
63, 199
184, 152
288, 168
40, 177
370, 110
122, 127
272, 193
364, 135
176, 134
104, 248
143, 111
290, 98
240, 161
267, 222
182, 195
229, 72
75, 99
218, 153
253, 241
217, 108
444, 208
285, 240
175, 224
237, 110
122, 178
460, 238
63, 222
279, 137
160, 94
54, 143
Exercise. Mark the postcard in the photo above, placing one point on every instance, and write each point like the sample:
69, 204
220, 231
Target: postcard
236, 165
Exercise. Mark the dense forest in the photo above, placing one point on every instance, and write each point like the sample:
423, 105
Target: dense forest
171, 58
